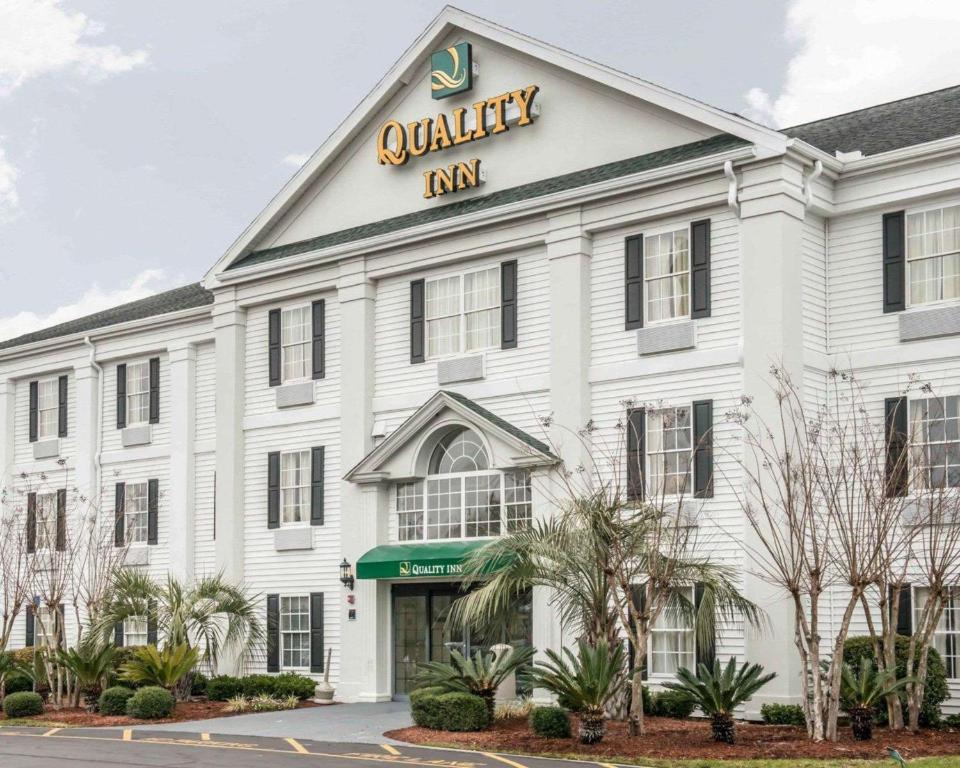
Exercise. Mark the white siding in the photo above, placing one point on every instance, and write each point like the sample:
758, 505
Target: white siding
205, 425
814, 284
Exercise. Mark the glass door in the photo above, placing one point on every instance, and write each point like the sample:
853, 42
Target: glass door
410, 640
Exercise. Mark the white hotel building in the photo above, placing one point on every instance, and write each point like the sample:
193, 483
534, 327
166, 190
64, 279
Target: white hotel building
364, 373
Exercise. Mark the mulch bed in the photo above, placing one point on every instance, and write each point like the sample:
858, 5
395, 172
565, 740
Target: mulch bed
678, 739
185, 710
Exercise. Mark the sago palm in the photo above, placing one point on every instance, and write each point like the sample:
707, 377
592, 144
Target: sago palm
91, 665
718, 692
9, 666
860, 691
586, 682
481, 674
166, 668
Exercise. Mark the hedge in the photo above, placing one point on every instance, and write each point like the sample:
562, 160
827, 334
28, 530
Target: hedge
425, 707
783, 714
113, 701
441, 711
675, 704
225, 687
23, 704
550, 722
150, 703
17, 682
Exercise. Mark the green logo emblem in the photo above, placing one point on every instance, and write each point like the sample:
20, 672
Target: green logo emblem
451, 71
405, 568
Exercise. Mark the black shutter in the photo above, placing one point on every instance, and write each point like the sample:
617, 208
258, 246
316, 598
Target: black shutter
61, 519
703, 449
316, 631
153, 500
417, 321
118, 634
319, 336
31, 522
894, 262
273, 489
706, 651
904, 616
34, 410
700, 269
121, 395
62, 409
273, 633
151, 622
154, 390
273, 348
508, 305
118, 503
633, 282
316, 486
896, 439
636, 446
28, 613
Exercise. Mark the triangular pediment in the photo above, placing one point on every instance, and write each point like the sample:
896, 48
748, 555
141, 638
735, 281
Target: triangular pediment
403, 454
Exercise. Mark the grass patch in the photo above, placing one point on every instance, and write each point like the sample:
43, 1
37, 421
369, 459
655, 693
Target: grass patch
32, 722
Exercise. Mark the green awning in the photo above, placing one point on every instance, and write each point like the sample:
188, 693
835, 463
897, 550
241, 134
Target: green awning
415, 561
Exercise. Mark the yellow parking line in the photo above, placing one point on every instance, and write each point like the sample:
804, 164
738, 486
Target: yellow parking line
204, 737
128, 734
391, 749
606, 765
51, 731
503, 760
297, 746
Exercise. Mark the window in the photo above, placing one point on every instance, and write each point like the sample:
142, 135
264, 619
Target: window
48, 409
138, 393
135, 630
45, 627
666, 275
933, 255
935, 432
463, 313
295, 342
461, 496
295, 487
672, 639
46, 520
669, 451
295, 632
135, 508
947, 632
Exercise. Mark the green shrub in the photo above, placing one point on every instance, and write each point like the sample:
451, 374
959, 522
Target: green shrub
223, 688
17, 682
121, 656
675, 704
951, 721
291, 684
782, 714
463, 712
550, 722
23, 704
113, 701
256, 685
150, 703
425, 706
198, 686
935, 689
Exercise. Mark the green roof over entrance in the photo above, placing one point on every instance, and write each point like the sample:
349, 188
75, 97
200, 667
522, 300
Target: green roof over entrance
417, 560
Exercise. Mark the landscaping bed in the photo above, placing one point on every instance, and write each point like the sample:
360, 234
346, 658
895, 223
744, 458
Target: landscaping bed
687, 739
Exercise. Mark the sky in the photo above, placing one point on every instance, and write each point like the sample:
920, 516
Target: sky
137, 140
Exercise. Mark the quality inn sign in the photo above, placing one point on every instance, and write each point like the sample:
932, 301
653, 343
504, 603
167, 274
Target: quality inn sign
408, 568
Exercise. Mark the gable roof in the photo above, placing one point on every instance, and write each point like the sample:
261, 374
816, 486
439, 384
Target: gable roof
506, 426
187, 297
659, 159
885, 127
448, 20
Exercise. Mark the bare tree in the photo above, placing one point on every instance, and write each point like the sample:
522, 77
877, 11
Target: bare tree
15, 567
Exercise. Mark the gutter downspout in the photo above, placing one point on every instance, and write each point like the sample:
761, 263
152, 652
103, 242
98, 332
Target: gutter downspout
732, 194
98, 448
808, 184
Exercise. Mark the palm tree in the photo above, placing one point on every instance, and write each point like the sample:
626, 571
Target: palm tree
586, 682
861, 690
718, 693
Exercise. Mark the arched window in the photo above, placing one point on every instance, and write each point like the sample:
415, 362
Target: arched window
462, 497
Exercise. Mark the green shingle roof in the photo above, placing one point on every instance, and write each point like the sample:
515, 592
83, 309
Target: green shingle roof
506, 426
599, 173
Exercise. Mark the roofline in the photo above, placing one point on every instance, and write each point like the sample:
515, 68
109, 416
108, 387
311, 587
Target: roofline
767, 139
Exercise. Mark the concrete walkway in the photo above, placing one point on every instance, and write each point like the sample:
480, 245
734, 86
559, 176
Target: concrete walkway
356, 723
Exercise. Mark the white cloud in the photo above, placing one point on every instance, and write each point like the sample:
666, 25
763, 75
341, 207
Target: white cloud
39, 37
9, 200
295, 160
94, 299
857, 53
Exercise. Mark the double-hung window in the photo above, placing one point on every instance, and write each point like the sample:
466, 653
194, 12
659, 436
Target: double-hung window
463, 313
666, 275
933, 255
669, 441
946, 636
672, 641
46, 526
295, 632
135, 630
138, 393
935, 435
48, 409
295, 340
295, 487
135, 510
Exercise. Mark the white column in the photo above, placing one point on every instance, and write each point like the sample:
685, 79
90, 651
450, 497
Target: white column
771, 235
7, 413
181, 494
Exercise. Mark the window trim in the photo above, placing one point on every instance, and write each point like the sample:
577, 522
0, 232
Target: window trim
914, 604
308, 343
306, 499
145, 633
280, 632
657, 232
49, 544
651, 675
907, 261
55, 381
911, 444
462, 313
651, 493
127, 394
145, 513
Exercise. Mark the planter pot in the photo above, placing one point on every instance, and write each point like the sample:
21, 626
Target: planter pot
323, 693
861, 723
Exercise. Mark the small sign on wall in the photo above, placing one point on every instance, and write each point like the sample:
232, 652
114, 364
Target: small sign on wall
352, 614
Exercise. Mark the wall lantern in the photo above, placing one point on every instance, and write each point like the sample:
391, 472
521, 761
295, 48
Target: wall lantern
346, 574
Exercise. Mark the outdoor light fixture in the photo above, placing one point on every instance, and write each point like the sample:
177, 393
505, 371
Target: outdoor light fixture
346, 574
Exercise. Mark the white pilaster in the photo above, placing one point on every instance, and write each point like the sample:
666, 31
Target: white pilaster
181, 498
7, 413
86, 381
